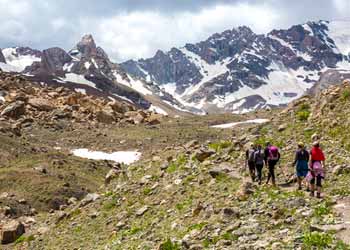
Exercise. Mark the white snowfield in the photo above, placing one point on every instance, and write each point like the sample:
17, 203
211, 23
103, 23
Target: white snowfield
233, 124
158, 110
72, 77
19, 62
126, 157
132, 83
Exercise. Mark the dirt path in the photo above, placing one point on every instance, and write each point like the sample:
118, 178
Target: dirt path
343, 208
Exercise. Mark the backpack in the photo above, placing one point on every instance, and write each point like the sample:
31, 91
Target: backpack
273, 153
259, 157
251, 153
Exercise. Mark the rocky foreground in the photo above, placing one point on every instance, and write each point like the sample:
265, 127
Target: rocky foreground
197, 195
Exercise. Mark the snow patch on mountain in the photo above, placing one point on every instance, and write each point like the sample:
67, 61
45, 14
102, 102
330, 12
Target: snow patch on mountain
8, 68
20, 62
157, 110
137, 85
208, 71
72, 77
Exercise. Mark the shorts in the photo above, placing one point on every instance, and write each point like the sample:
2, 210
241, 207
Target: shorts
302, 168
318, 180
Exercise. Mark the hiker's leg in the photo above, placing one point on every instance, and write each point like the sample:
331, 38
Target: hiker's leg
299, 182
312, 186
269, 173
273, 177
319, 186
259, 168
252, 170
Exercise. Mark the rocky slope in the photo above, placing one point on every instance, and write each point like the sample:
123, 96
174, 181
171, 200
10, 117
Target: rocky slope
238, 70
89, 69
197, 195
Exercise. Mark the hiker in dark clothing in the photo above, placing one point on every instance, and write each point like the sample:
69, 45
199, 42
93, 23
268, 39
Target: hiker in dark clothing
301, 162
250, 161
259, 162
272, 156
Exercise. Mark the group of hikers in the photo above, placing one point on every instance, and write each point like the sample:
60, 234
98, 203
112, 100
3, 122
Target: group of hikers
309, 166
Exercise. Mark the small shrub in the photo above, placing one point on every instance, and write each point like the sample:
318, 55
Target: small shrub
177, 164
147, 191
108, 205
218, 146
303, 112
317, 239
346, 94
24, 239
169, 245
198, 226
322, 209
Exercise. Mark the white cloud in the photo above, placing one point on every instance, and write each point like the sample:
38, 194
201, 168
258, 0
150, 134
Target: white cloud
129, 29
140, 34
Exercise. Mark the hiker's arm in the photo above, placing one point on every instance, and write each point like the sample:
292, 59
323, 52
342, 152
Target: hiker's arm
295, 159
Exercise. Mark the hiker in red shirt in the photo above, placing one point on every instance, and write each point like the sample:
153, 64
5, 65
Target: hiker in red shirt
316, 170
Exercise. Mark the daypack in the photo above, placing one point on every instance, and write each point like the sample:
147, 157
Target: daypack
273, 153
302, 155
259, 157
251, 155
317, 154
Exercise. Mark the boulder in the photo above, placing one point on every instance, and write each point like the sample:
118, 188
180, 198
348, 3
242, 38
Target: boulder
142, 211
11, 231
14, 110
41, 104
89, 198
113, 173
202, 154
104, 117
223, 168
245, 190
282, 128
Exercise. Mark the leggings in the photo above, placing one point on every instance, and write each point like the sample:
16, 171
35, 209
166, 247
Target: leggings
259, 168
271, 175
251, 166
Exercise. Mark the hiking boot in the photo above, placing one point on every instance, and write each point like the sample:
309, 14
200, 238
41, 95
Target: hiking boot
299, 188
312, 193
319, 195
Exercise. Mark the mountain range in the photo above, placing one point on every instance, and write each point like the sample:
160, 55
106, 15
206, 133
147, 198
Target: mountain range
233, 71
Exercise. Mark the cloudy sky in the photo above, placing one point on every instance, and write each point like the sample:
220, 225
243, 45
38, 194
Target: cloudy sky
129, 29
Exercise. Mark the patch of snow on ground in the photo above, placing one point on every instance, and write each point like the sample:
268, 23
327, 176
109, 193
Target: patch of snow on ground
71, 77
158, 110
2, 99
83, 91
233, 124
126, 157
339, 31
19, 61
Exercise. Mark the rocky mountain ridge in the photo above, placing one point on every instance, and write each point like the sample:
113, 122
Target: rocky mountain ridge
89, 68
238, 70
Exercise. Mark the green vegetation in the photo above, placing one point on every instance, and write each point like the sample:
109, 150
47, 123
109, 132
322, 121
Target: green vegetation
176, 165
317, 239
218, 146
169, 245
25, 239
322, 209
346, 94
303, 112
